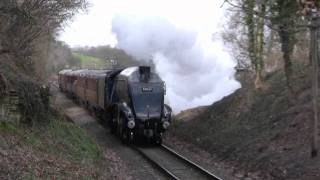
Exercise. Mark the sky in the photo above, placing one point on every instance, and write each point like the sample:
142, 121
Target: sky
182, 37
94, 27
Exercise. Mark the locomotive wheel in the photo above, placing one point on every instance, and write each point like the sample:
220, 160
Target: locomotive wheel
122, 131
113, 121
113, 127
125, 137
120, 124
157, 139
124, 134
120, 128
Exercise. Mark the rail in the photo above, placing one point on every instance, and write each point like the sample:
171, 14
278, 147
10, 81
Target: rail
174, 165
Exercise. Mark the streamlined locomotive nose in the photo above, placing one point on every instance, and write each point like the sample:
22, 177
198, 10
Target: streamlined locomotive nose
144, 117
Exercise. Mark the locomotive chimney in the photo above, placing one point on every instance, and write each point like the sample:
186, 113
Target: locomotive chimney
144, 73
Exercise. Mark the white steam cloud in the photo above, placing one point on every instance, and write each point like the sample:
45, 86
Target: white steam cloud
197, 71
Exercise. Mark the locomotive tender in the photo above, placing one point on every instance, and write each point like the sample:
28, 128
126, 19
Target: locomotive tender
130, 99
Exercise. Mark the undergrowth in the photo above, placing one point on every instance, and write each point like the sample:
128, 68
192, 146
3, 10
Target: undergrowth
46, 147
262, 130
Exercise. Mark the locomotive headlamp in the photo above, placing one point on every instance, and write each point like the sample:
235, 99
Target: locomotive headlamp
166, 113
131, 124
165, 125
166, 117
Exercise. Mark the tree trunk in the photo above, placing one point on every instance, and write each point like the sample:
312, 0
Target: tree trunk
287, 44
285, 16
249, 18
260, 47
288, 70
314, 59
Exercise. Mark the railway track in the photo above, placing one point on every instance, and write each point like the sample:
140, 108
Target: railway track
174, 165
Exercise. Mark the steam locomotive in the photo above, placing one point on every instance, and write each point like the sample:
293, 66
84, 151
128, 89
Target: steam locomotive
131, 100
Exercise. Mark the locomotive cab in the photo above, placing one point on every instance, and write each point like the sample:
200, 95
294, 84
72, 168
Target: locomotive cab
140, 95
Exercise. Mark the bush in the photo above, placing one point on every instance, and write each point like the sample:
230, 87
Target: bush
33, 103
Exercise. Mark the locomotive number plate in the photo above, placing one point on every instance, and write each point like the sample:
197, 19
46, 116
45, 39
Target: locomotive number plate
146, 89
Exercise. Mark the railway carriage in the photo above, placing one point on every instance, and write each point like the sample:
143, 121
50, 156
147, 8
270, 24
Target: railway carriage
62, 79
131, 99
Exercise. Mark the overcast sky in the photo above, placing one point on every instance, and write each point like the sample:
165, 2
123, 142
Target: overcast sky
182, 37
94, 28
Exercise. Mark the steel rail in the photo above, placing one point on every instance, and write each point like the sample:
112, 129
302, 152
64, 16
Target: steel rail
157, 165
180, 158
190, 163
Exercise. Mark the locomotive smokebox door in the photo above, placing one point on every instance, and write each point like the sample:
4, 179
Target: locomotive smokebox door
144, 72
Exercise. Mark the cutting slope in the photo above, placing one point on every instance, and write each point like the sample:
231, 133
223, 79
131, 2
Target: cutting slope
264, 130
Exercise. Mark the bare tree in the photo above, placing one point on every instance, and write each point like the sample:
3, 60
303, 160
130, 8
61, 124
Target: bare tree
27, 27
24, 22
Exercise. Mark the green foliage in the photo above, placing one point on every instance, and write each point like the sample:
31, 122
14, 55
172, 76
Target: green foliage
73, 140
90, 61
107, 53
33, 140
32, 106
60, 57
56, 146
8, 128
177, 123
58, 137
32, 97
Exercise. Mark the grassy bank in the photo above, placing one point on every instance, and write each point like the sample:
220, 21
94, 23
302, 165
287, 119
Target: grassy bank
90, 61
58, 150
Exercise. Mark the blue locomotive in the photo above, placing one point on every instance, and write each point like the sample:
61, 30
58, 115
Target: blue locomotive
130, 99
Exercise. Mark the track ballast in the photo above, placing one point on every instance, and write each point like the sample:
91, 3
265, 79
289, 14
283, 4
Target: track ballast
174, 165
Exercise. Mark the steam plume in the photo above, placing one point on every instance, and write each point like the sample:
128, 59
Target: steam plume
194, 75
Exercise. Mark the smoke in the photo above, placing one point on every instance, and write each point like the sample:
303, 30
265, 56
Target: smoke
197, 71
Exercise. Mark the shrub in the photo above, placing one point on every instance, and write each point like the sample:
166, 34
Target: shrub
32, 101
